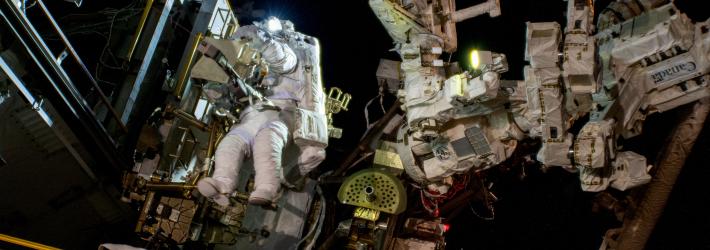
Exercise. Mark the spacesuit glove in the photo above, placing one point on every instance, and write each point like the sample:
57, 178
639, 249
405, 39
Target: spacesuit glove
310, 158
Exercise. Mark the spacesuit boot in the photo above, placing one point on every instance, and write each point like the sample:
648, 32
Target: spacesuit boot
268, 148
228, 160
215, 190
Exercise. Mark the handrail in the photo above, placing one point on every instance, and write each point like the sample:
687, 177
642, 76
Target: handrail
60, 90
76, 57
139, 30
147, 60
25, 243
182, 81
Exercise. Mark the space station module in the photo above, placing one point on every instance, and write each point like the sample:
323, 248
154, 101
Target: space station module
650, 63
457, 122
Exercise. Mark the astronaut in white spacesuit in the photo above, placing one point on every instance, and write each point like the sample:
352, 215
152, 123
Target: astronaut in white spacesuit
293, 93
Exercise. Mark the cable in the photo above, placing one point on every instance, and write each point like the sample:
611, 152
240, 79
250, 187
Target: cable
365, 156
25, 8
368, 125
321, 216
492, 217
488, 205
381, 96
108, 41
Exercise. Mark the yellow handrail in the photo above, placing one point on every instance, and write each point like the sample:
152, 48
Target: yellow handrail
24, 243
139, 29
185, 72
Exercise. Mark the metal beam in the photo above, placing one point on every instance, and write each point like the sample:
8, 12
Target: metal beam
147, 60
60, 90
492, 7
81, 64
45, 116
200, 25
139, 29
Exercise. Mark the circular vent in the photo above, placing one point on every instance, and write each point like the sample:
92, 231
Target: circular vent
374, 189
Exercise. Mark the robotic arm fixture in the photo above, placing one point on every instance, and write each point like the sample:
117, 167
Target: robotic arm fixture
455, 122
638, 64
652, 62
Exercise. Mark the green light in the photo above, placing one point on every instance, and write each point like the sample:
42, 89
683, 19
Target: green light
475, 60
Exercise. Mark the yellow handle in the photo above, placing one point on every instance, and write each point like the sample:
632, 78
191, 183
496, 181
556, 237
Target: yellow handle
24, 243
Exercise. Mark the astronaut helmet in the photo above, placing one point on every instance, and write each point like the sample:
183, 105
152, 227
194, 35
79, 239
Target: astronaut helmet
275, 26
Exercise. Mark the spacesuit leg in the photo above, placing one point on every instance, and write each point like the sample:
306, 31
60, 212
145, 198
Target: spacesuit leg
268, 147
231, 154
229, 158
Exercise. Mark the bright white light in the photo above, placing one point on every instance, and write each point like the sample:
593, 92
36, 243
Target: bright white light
475, 60
201, 109
273, 24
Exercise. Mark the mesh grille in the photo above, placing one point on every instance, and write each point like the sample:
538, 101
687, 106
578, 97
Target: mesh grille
388, 191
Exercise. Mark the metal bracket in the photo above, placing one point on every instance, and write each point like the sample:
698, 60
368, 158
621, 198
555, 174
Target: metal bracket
62, 56
37, 104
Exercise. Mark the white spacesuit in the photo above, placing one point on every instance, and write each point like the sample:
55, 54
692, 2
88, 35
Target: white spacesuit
291, 112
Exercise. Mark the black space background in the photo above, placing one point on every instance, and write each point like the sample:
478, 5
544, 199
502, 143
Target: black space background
544, 211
